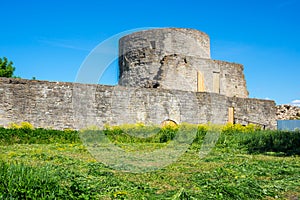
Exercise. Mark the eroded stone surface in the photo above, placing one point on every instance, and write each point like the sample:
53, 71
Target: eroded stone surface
71, 105
287, 112
170, 59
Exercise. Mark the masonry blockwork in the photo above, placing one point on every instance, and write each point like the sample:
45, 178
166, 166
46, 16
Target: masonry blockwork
171, 59
165, 75
71, 105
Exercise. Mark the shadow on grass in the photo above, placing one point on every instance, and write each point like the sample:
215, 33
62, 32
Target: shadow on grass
275, 143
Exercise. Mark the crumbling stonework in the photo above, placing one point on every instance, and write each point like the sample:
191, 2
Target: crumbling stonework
170, 59
287, 112
165, 74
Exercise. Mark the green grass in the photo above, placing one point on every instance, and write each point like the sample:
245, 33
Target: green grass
34, 136
244, 164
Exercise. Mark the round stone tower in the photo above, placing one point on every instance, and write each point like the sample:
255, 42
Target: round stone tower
142, 54
177, 59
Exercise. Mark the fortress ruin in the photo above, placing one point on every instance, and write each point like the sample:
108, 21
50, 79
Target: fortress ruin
165, 74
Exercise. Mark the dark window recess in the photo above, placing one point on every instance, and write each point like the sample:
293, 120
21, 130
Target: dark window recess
150, 84
153, 44
156, 85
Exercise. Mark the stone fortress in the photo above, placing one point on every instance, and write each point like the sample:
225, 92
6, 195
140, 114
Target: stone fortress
165, 74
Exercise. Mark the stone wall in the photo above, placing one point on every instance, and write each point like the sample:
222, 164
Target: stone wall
161, 69
44, 104
180, 72
71, 105
167, 41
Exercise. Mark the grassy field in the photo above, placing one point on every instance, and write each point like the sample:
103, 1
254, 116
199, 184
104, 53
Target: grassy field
244, 164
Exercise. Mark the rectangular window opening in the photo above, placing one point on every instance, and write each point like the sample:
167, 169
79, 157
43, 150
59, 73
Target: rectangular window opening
153, 44
216, 82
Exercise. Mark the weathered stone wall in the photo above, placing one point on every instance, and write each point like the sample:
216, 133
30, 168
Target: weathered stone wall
71, 105
255, 111
167, 41
142, 53
180, 72
171, 58
45, 104
160, 70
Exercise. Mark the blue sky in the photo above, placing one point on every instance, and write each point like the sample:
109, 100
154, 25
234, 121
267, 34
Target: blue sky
50, 39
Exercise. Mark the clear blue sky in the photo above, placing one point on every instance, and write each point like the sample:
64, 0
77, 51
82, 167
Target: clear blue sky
49, 39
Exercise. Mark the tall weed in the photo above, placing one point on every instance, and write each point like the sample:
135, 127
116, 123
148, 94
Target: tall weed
18, 181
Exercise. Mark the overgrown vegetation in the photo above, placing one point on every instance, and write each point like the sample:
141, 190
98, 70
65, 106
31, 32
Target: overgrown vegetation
246, 163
